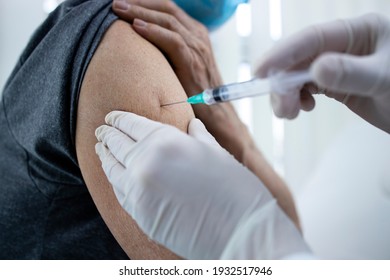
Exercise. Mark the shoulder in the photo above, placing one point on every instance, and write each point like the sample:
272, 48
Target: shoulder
134, 76
130, 74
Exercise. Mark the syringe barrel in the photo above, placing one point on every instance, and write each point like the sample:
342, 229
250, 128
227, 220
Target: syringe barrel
280, 83
235, 91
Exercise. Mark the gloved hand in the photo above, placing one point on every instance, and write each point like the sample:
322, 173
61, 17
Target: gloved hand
350, 62
189, 194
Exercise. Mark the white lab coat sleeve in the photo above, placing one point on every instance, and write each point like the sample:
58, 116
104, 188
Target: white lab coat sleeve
267, 234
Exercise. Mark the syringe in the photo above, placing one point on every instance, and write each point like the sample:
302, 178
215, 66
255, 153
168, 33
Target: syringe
281, 83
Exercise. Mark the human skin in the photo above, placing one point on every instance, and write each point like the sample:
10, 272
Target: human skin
126, 73
186, 43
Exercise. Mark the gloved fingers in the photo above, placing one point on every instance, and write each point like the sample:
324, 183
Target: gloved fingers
119, 144
286, 106
197, 130
344, 73
118, 176
136, 127
111, 166
307, 100
304, 47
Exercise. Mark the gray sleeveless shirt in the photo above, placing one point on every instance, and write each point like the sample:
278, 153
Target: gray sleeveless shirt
46, 211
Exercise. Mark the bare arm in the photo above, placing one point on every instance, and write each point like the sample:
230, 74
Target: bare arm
234, 136
126, 73
186, 43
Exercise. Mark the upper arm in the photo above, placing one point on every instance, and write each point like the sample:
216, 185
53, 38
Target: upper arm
126, 73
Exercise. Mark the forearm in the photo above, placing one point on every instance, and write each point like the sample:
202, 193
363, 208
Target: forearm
188, 45
223, 123
256, 162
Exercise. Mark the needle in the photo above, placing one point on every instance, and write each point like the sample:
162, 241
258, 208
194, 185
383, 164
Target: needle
173, 103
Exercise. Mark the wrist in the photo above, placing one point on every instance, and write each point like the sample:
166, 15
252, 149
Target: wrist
255, 161
224, 124
198, 83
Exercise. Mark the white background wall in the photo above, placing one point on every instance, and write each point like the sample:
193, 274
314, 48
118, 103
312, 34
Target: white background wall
336, 165
18, 19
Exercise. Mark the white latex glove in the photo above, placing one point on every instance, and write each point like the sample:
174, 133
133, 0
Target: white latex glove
189, 194
350, 62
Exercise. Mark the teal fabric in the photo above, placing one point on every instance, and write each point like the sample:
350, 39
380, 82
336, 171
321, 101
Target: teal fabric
211, 13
